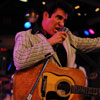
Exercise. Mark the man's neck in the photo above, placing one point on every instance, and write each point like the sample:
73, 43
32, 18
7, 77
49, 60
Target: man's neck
45, 33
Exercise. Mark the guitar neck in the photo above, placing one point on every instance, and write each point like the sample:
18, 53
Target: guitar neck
85, 90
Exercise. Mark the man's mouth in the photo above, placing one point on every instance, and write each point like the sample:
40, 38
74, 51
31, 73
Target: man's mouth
57, 29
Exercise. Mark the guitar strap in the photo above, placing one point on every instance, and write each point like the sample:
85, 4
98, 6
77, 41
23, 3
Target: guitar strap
29, 97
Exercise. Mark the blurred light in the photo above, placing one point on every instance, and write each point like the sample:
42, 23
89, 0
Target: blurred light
27, 25
23, 0
77, 7
43, 2
86, 32
85, 14
32, 16
3, 49
79, 14
97, 9
0, 82
3, 58
9, 67
27, 14
91, 31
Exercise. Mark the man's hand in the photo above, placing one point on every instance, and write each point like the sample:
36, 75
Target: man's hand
57, 38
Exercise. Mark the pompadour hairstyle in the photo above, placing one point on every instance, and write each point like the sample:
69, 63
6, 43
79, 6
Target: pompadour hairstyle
52, 5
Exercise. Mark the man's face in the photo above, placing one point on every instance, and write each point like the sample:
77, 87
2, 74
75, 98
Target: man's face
52, 24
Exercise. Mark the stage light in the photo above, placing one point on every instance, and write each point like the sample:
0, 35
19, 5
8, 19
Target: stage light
85, 14
43, 2
27, 25
97, 9
23, 0
9, 67
91, 31
3, 49
79, 14
86, 32
77, 7
27, 14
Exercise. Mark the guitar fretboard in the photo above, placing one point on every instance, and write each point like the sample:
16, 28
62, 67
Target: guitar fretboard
85, 90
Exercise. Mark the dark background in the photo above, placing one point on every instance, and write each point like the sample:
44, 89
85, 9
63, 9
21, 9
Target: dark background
12, 18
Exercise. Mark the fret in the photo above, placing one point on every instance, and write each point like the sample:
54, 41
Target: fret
94, 91
85, 90
90, 90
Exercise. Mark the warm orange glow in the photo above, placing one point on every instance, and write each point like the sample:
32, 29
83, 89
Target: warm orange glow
77, 7
79, 14
97, 9
43, 2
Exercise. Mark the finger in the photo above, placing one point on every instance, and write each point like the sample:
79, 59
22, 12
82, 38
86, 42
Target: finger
63, 33
64, 37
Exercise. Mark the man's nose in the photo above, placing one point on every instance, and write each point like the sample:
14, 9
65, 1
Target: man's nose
61, 23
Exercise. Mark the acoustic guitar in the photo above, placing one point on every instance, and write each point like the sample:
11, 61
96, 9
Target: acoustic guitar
57, 82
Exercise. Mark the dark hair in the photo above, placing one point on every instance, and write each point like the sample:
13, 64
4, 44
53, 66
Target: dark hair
51, 6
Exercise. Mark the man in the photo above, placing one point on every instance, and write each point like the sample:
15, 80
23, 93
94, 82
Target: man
51, 40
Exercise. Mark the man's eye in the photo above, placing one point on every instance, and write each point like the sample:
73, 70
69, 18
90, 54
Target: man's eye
59, 17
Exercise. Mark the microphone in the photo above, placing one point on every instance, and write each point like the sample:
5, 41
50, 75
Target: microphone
61, 29
65, 29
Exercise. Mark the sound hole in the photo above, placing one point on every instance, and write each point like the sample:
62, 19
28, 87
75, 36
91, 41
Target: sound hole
64, 87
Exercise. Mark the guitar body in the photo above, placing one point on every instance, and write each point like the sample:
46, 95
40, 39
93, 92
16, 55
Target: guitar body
24, 81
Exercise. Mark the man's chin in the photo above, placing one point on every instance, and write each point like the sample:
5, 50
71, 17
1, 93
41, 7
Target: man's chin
52, 33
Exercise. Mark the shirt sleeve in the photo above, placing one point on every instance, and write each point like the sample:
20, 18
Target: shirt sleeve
30, 49
84, 44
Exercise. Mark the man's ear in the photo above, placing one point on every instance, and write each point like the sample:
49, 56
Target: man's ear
45, 15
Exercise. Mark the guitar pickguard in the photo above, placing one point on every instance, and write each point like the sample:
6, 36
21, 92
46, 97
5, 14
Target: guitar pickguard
58, 84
